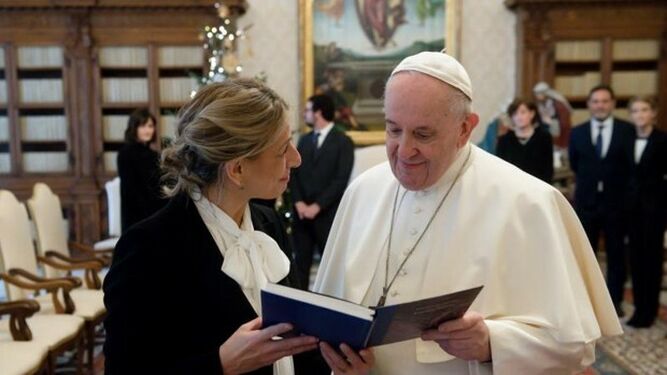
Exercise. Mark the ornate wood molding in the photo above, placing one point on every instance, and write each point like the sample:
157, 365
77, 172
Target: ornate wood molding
569, 3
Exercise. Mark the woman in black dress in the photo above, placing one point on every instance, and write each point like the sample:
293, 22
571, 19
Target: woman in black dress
139, 170
183, 291
527, 146
648, 210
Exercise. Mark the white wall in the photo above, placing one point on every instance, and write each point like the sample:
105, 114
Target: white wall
272, 46
488, 52
487, 49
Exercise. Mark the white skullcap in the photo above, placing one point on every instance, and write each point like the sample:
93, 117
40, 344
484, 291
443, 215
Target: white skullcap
541, 87
438, 65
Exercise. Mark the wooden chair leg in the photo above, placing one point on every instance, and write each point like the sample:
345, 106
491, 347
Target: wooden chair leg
90, 346
51, 363
80, 352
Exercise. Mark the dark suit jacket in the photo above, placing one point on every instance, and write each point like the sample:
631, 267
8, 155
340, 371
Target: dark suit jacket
324, 172
648, 190
613, 170
169, 305
536, 157
139, 172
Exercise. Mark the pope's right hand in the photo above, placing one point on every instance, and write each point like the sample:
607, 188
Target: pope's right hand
251, 347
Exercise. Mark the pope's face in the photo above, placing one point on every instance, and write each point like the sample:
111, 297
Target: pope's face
424, 133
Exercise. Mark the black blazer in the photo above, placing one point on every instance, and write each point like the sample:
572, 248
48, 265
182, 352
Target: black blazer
139, 172
324, 172
536, 157
613, 170
648, 191
169, 305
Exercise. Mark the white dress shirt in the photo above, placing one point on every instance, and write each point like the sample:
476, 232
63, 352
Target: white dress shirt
607, 130
323, 133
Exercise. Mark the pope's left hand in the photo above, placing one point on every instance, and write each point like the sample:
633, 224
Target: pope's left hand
466, 338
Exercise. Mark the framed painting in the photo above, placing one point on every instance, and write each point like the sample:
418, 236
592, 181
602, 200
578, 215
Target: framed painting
349, 48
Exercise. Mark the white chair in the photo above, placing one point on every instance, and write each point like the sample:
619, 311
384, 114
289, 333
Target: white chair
53, 326
87, 303
367, 157
46, 212
112, 189
20, 354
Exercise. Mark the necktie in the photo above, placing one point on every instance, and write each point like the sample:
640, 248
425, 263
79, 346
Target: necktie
598, 142
316, 137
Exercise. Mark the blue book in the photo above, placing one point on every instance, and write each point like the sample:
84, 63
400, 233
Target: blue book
337, 321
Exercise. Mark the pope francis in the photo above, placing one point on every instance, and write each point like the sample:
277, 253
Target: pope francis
442, 216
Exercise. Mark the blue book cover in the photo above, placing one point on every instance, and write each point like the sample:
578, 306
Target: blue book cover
337, 321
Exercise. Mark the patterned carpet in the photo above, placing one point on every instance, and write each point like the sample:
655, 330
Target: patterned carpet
637, 351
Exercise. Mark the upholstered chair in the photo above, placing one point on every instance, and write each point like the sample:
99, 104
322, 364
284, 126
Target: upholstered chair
19, 270
52, 245
20, 354
112, 189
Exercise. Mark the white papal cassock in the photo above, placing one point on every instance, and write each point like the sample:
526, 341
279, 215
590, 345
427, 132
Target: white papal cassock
544, 298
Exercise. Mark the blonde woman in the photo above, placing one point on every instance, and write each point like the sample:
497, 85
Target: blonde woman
183, 291
648, 208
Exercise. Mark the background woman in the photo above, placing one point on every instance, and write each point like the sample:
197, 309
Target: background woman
648, 210
139, 170
183, 292
527, 146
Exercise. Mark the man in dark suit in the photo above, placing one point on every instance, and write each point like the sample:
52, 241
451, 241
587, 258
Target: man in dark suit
600, 153
318, 184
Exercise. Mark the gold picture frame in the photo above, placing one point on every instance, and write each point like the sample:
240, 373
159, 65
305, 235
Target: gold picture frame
450, 14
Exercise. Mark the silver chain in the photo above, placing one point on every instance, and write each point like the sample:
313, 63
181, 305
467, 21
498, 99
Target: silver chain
387, 283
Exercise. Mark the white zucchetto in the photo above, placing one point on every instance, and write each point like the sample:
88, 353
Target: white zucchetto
438, 65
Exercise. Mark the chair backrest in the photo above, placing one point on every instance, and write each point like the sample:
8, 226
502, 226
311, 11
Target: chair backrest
113, 206
16, 247
46, 213
367, 157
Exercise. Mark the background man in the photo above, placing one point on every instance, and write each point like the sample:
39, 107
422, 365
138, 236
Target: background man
601, 156
317, 186
442, 216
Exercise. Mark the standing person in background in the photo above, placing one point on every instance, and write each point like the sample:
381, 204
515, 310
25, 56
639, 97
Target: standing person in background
600, 153
648, 208
554, 113
318, 185
139, 170
527, 146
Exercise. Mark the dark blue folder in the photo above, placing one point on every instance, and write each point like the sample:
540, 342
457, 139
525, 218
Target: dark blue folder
325, 317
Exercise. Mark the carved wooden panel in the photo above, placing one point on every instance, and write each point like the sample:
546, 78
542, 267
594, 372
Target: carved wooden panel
79, 27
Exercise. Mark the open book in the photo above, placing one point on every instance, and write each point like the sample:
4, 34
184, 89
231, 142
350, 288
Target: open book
338, 321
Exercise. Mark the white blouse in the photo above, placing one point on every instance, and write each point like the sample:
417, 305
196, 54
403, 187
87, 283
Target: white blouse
251, 258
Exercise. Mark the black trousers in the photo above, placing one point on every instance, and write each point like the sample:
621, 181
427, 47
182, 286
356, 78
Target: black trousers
646, 261
612, 224
309, 235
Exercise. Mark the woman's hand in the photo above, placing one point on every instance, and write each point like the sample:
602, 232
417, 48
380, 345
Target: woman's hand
352, 364
250, 347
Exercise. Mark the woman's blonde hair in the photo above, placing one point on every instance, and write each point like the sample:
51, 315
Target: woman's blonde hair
238, 118
651, 100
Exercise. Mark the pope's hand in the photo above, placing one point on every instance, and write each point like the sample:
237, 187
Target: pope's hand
353, 363
250, 347
466, 338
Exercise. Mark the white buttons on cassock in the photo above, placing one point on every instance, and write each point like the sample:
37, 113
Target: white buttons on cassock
417, 210
394, 293
413, 231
